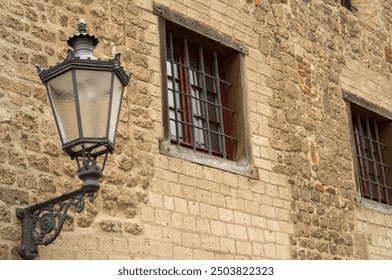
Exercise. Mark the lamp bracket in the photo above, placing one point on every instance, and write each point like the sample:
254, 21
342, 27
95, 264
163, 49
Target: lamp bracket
42, 222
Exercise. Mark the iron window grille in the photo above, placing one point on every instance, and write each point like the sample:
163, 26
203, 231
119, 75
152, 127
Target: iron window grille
199, 112
373, 172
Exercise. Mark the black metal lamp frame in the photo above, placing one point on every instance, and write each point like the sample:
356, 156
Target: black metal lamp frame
42, 222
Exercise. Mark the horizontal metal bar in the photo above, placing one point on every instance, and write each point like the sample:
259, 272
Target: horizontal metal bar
202, 100
376, 184
371, 139
377, 162
200, 72
205, 129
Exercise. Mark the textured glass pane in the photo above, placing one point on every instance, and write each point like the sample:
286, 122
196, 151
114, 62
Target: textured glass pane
62, 96
200, 134
210, 82
198, 105
94, 92
170, 88
116, 103
173, 132
169, 69
212, 109
215, 138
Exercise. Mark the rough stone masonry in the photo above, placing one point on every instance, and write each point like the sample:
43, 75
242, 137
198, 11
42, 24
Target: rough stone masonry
304, 202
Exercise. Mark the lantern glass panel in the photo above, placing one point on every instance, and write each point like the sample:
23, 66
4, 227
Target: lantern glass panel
62, 97
115, 109
94, 97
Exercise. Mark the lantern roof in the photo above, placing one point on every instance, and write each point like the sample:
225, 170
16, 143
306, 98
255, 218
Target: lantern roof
81, 57
74, 62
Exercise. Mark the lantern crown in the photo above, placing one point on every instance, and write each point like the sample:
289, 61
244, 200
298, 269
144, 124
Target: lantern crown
83, 42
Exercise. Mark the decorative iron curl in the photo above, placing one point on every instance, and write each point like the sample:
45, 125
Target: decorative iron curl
43, 222
51, 220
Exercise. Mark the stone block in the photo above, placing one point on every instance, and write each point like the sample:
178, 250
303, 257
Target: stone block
178, 220
47, 184
133, 228
10, 233
226, 215
39, 162
4, 252
190, 223
180, 205
110, 226
203, 225
202, 255
209, 242
227, 245
191, 240
270, 251
256, 234
236, 231
182, 253
14, 195
242, 218
203, 196
244, 248
147, 214
208, 211
161, 249
163, 217
171, 236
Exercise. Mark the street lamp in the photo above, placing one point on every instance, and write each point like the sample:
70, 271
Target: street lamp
85, 95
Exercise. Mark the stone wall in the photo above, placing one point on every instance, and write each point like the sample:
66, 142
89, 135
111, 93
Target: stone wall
303, 205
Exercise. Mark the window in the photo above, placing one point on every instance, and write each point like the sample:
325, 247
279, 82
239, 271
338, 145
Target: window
372, 146
203, 94
199, 112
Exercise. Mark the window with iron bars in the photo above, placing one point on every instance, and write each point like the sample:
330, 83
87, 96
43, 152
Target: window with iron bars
200, 113
373, 155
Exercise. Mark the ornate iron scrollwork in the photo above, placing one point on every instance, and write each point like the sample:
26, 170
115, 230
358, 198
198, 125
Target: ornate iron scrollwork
42, 222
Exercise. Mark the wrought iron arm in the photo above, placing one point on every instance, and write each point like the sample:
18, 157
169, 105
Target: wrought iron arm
42, 222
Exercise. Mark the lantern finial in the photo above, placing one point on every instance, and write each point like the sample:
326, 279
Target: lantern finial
82, 26
83, 43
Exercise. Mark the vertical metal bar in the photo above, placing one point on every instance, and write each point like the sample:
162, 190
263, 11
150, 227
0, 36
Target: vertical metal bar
361, 168
110, 106
187, 64
204, 86
370, 139
60, 129
77, 104
218, 91
365, 158
173, 89
381, 161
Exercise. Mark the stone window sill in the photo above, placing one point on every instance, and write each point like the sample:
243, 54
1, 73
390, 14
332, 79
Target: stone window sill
373, 205
207, 160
